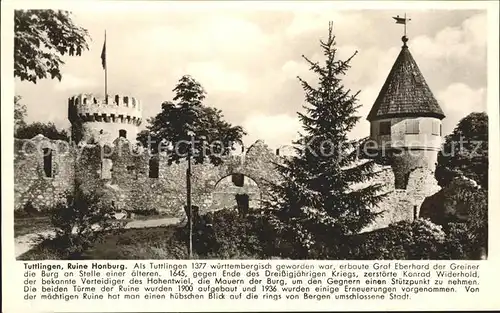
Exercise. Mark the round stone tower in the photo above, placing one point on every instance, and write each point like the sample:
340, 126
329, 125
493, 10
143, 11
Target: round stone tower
101, 121
405, 121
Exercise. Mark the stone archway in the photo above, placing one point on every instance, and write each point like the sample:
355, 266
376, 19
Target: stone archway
236, 190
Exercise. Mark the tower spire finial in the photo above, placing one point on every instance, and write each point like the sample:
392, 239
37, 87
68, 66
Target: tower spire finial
403, 20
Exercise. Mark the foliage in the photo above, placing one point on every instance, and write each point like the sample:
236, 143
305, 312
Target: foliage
465, 151
418, 240
48, 130
186, 120
19, 113
226, 234
316, 195
470, 233
81, 221
462, 202
477, 224
458, 244
41, 37
139, 244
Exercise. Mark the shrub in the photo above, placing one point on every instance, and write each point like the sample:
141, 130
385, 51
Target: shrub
404, 240
228, 234
462, 209
48, 130
80, 221
225, 234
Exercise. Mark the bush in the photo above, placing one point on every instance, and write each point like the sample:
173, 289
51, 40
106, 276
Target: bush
48, 130
225, 234
418, 240
228, 234
80, 222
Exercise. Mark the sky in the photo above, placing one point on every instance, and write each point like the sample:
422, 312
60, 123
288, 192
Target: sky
248, 61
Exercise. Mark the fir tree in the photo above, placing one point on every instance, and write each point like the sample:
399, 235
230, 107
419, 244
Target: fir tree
317, 189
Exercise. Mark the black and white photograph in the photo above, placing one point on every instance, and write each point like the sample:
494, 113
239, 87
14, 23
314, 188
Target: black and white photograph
240, 133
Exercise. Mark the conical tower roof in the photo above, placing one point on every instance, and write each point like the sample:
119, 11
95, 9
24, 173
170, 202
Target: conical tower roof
405, 92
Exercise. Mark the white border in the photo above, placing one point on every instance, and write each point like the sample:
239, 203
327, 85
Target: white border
485, 300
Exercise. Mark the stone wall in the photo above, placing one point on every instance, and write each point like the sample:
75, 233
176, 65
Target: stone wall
32, 186
226, 190
400, 204
122, 172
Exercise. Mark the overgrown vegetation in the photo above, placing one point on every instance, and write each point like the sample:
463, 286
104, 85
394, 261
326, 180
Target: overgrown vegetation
80, 221
465, 151
49, 130
226, 234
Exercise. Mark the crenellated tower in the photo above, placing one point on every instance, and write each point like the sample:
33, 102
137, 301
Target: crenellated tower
95, 120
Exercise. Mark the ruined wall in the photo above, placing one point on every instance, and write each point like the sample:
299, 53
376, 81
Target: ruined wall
32, 186
399, 204
226, 190
124, 177
122, 172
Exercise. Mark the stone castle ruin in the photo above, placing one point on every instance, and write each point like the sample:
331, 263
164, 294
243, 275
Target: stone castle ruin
405, 125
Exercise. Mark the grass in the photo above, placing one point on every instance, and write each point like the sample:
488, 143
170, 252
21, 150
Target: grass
30, 225
140, 243
135, 243
37, 224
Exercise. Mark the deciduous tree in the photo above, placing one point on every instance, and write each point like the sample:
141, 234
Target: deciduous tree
41, 38
186, 123
465, 151
48, 130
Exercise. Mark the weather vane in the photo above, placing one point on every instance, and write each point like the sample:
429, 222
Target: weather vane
402, 20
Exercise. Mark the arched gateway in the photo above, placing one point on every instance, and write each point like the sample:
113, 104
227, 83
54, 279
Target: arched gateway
240, 180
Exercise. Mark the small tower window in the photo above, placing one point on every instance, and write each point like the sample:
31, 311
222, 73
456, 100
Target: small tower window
122, 133
154, 168
412, 127
106, 168
385, 128
436, 128
47, 162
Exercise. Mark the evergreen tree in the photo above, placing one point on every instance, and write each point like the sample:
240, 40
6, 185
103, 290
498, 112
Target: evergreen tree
186, 123
317, 196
